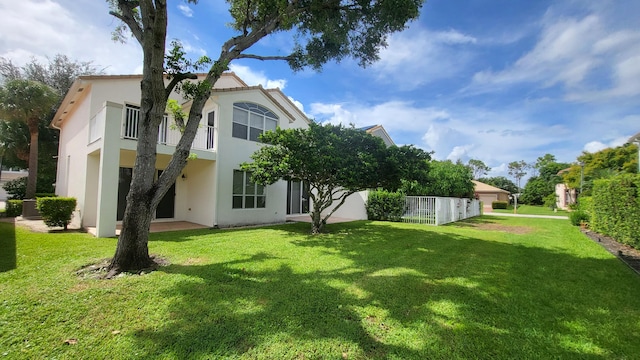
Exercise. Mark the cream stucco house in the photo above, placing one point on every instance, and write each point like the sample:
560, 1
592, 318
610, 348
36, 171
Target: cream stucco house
98, 130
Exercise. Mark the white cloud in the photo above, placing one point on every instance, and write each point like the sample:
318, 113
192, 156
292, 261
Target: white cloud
418, 56
252, 77
594, 146
458, 152
82, 32
298, 104
185, 10
588, 57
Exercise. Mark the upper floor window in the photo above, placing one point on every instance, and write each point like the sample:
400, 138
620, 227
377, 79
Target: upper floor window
250, 120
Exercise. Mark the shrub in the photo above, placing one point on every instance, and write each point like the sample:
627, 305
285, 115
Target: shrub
16, 189
577, 217
56, 211
550, 201
615, 208
14, 208
385, 205
499, 204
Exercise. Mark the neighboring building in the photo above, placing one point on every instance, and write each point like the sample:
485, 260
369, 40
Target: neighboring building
565, 196
488, 194
98, 130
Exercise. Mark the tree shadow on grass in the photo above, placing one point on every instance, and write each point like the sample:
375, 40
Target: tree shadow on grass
8, 256
406, 293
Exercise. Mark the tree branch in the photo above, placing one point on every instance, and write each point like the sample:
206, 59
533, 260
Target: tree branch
263, 58
176, 79
127, 16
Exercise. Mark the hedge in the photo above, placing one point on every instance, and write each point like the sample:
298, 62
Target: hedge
14, 208
56, 211
385, 205
499, 204
615, 208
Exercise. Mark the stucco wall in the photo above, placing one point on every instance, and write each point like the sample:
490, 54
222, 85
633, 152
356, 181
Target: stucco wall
233, 151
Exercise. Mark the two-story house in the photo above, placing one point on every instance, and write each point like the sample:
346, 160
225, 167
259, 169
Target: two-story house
98, 122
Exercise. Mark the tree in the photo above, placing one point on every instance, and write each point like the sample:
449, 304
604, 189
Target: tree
517, 170
445, 179
59, 73
29, 102
478, 168
500, 182
542, 185
602, 164
336, 162
326, 30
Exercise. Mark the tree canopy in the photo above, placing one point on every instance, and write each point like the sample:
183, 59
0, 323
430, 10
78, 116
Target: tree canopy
445, 178
602, 164
325, 30
59, 73
29, 102
517, 170
539, 187
335, 162
478, 168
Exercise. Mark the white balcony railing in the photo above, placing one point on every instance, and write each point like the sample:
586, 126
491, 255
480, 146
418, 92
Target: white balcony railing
204, 139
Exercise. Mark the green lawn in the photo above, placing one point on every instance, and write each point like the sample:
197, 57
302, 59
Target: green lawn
532, 210
510, 288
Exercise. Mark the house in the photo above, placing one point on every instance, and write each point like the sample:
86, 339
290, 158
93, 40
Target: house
488, 194
98, 130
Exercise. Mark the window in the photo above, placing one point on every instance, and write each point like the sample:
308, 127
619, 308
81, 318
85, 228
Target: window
251, 120
246, 194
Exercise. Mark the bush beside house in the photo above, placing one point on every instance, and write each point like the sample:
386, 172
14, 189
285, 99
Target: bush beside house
385, 206
56, 211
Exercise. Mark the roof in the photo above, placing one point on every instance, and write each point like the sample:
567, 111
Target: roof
486, 188
372, 129
83, 83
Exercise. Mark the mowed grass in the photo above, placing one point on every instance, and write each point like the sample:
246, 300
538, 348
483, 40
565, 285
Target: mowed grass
499, 288
533, 210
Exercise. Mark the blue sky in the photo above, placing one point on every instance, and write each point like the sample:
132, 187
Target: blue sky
498, 81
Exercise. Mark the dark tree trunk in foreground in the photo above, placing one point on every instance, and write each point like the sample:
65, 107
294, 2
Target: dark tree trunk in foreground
33, 159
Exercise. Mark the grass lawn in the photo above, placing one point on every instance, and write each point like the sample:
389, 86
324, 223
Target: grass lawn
510, 288
532, 210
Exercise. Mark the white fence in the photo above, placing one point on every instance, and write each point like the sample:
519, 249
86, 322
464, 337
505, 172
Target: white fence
438, 210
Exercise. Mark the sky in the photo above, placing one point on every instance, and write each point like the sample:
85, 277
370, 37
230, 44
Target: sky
498, 81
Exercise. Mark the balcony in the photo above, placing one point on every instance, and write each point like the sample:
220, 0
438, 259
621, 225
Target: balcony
167, 135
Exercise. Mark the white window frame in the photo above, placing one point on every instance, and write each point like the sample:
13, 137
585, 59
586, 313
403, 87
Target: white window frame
257, 118
250, 193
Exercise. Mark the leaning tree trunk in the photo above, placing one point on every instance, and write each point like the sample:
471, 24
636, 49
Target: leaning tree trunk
33, 159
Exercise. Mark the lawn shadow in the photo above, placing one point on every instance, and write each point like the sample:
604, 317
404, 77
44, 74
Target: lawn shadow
231, 311
408, 293
8, 255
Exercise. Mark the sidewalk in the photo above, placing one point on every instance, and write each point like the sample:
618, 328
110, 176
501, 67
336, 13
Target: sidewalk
528, 216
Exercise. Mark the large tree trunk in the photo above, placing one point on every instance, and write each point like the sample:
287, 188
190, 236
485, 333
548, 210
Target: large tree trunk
132, 252
33, 159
